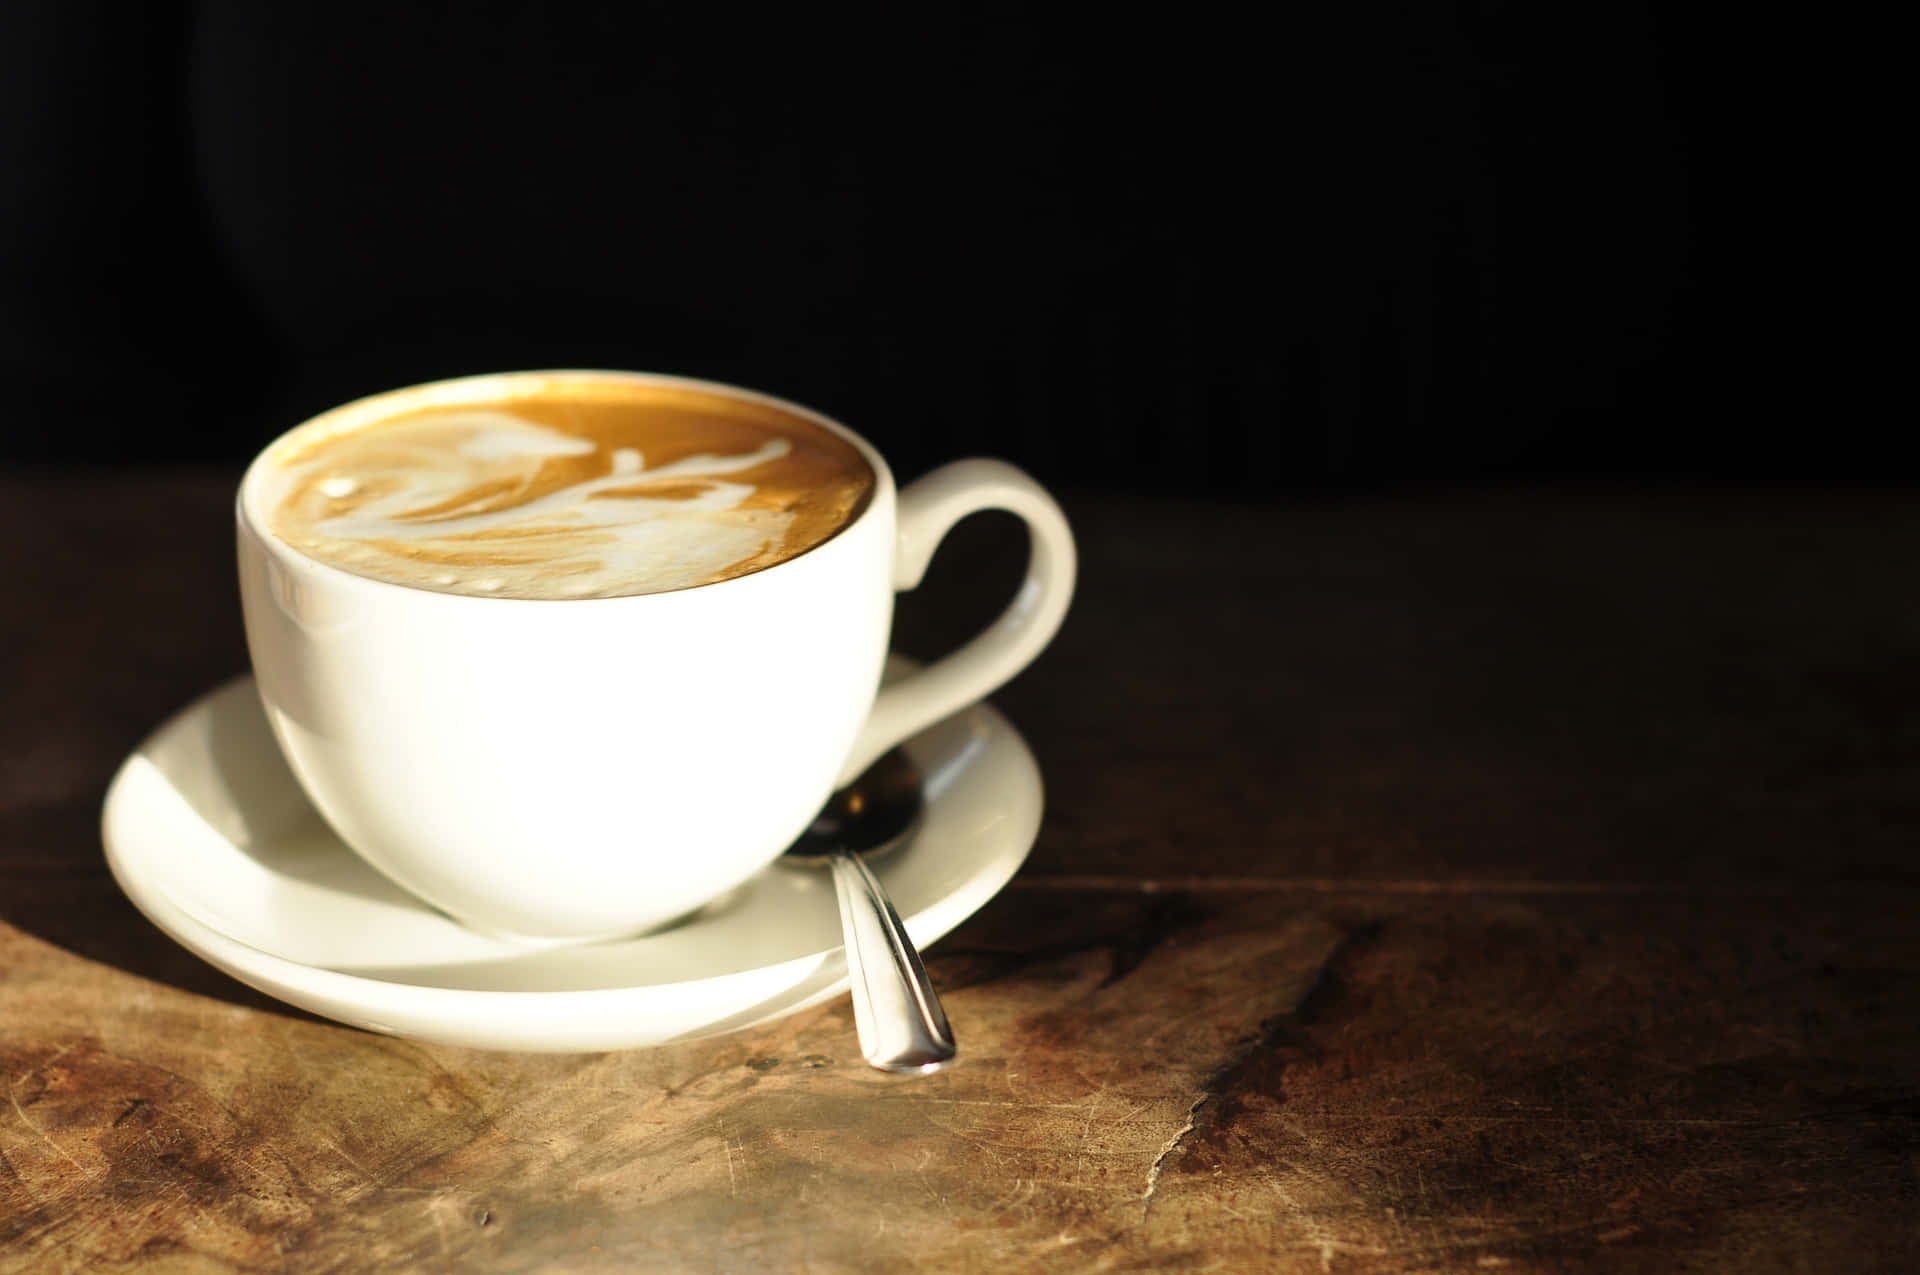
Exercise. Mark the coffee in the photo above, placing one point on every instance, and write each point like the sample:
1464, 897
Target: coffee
561, 486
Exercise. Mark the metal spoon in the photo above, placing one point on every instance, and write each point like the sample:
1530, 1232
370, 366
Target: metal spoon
895, 1010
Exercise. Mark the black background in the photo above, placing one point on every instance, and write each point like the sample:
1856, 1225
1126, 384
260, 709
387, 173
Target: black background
1178, 252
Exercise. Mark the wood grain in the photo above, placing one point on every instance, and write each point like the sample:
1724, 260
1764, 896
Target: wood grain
1516, 881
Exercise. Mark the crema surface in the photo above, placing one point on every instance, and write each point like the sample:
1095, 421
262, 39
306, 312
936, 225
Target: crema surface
578, 488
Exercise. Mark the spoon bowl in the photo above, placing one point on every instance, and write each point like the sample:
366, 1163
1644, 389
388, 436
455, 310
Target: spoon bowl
875, 813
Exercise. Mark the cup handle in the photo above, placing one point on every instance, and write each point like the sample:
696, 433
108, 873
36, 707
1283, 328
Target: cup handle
928, 509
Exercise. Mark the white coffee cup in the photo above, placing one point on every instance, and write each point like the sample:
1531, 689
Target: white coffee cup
584, 768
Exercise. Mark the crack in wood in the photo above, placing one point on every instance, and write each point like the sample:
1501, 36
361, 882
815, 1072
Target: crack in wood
1280, 1031
1160, 1160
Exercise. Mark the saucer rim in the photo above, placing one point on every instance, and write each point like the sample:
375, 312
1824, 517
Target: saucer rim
581, 1016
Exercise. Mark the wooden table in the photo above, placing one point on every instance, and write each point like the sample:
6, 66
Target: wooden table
1477, 880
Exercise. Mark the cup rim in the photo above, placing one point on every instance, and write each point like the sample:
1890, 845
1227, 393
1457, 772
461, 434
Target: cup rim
451, 389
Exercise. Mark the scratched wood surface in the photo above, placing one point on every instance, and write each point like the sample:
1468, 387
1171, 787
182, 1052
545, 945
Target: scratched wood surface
1516, 881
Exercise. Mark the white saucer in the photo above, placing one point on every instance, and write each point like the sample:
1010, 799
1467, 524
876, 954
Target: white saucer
211, 837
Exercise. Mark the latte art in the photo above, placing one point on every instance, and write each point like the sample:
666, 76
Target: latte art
579, 488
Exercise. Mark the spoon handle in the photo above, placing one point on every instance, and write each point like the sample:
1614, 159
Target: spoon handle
901, 1024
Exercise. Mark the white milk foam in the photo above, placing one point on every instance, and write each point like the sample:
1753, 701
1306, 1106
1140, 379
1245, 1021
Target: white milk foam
600, 537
